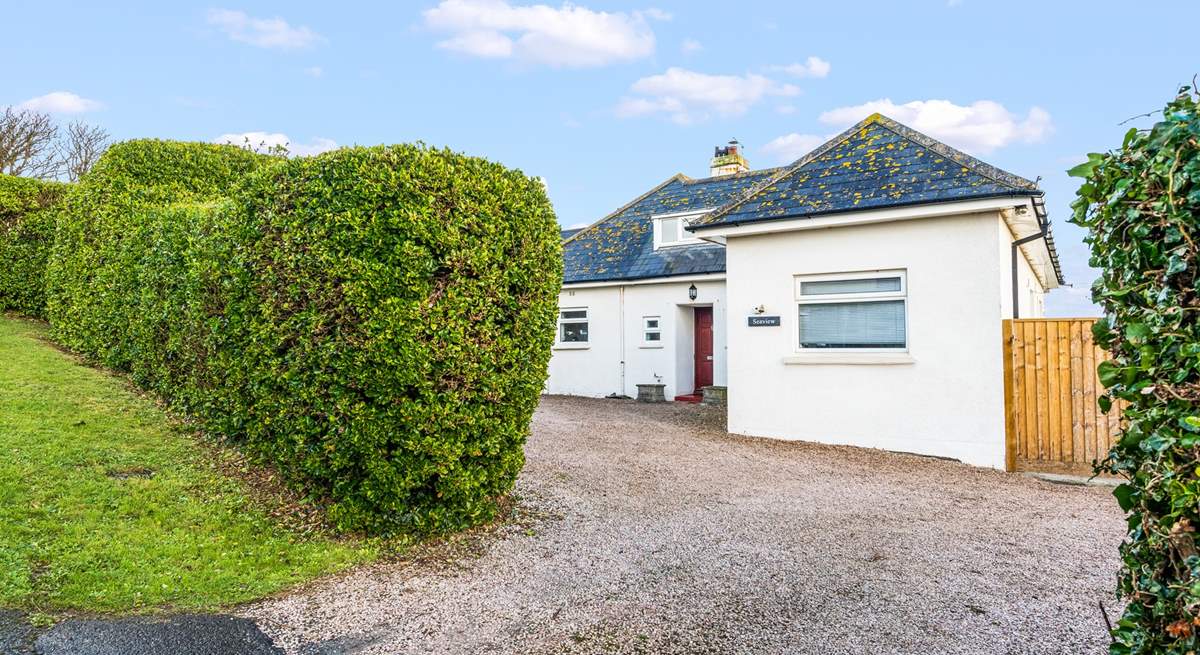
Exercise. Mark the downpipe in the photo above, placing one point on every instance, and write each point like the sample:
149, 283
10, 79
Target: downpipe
1016, 245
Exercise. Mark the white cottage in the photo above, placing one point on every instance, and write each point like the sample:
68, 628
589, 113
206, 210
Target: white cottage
852, 297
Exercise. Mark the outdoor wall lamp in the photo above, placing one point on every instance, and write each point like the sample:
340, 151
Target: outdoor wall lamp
692, 292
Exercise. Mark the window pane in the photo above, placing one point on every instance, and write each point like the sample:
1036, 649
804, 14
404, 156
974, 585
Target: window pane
653, 336
668, 231
853, 325
868, 285
652, 323
574, 332
574, 313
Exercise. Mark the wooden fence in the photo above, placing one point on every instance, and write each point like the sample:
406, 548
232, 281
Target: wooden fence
1052, 422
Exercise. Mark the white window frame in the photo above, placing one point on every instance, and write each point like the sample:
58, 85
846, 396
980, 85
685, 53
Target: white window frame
587, 316
646, 330
832, 298
684, 238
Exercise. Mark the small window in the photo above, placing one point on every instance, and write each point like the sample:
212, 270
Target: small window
668, 230
671, 230
651, 330
864, 311
573, 325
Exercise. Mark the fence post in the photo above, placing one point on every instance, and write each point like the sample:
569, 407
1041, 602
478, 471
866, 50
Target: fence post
1010, 415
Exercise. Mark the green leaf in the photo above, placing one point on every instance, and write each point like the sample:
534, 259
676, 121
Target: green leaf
1137, 332
1085, 169
1124, 494
1176, 264
1109, 373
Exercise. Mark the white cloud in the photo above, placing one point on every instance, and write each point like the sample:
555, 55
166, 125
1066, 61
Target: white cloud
791, 147
266, 140
488, 45
60, 102
690, 46
314, 71
812, 67
687, 96
569, 36
262, 32
981, 127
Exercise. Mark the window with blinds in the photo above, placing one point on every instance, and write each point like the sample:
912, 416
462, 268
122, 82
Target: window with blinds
860, 311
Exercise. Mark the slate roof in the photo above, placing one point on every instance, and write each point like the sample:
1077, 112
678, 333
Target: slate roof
621, 245
568, 233
875, 164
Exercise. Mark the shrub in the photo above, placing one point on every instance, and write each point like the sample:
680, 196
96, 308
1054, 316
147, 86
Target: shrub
27, 211
374, 321
1141, 206
89, 286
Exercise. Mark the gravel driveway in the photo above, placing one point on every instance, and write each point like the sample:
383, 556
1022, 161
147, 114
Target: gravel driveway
647, 529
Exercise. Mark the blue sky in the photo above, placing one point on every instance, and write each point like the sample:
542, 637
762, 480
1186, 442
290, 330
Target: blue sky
605, 99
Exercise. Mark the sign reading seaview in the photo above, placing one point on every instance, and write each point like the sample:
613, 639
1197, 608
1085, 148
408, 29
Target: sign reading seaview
762, 321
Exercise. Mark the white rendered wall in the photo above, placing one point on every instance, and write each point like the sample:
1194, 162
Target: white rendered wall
1031, 296
947, 402
595, 369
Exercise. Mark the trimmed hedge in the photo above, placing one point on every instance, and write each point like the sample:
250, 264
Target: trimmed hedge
91, 279
27, 211
376, 322
1141, 207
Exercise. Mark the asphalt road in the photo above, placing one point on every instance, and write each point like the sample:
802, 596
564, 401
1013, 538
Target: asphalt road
185, 634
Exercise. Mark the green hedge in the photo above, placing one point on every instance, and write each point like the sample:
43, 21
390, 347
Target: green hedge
27, 211
1141, 206
91, 278
374, 321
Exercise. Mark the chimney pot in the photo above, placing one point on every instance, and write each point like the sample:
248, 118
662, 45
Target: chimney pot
727, 160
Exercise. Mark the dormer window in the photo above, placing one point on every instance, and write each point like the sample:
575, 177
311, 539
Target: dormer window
671, 229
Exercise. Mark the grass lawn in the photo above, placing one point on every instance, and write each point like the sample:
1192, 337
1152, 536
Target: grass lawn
105, 506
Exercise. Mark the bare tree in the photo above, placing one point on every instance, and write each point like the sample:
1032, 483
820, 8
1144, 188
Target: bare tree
81, 147
28, 144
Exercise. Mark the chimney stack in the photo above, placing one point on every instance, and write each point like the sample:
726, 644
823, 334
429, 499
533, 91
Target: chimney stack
728, 160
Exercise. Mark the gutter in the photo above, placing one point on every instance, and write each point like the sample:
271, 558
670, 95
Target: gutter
1039, 209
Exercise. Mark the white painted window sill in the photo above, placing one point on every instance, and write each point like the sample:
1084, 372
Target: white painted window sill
572, 346
650, 347
876, 359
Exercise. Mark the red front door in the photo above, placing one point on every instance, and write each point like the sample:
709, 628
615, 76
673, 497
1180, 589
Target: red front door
704, 347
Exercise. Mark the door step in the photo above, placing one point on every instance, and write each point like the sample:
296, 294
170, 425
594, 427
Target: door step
689, 398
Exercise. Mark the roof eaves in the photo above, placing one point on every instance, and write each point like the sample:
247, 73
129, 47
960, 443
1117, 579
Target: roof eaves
678, 177
1015, 193
632, 278
1039, 206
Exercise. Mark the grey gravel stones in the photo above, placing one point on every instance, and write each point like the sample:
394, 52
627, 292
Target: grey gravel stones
659, 533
